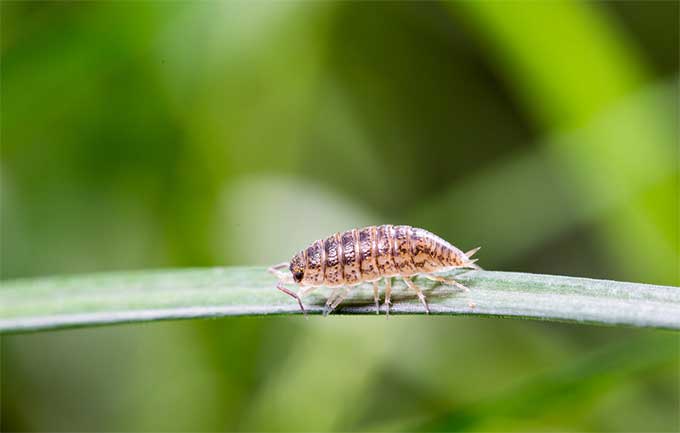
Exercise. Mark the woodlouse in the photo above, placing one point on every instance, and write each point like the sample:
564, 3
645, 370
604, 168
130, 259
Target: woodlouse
344, 260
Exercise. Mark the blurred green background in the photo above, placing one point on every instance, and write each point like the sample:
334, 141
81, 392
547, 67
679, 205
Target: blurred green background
150, 134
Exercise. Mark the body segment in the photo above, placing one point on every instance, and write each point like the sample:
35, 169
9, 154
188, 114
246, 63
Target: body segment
367, 253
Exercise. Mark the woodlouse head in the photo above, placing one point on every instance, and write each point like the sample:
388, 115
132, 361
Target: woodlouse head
297, 267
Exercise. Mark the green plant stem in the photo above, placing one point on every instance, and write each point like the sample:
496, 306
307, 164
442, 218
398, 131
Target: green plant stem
87, 300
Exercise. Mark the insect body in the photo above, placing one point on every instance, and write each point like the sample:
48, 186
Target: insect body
347, 259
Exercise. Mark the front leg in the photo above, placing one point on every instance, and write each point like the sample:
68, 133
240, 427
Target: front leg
289, 292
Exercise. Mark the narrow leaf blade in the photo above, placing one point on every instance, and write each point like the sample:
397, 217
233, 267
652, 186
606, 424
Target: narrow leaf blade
97, 299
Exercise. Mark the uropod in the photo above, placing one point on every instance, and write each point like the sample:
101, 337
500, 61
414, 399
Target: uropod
345, 260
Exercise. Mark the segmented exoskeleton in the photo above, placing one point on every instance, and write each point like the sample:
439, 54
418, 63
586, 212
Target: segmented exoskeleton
364, 255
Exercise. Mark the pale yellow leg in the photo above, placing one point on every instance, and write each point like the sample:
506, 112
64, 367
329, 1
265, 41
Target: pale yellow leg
292, 294
341, 297
388, 295
449, 282
331, 299
305, 290
376, 298
418, 291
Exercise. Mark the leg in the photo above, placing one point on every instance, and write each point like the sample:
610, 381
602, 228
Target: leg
293, 294
274, 268
338, 299
282, 275
465, 272
450, 282
468, 268
419, 292
331, 298
305, 290
376, 298
388, 294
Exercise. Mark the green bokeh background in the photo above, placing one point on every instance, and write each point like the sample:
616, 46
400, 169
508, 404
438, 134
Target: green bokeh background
150, 134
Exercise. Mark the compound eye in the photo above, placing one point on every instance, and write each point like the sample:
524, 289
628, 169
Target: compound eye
298, 276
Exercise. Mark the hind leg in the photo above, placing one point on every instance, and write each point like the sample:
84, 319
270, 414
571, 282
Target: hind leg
418, 291
447, 281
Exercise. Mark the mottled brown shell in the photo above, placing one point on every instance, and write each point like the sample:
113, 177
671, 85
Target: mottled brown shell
370, 253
